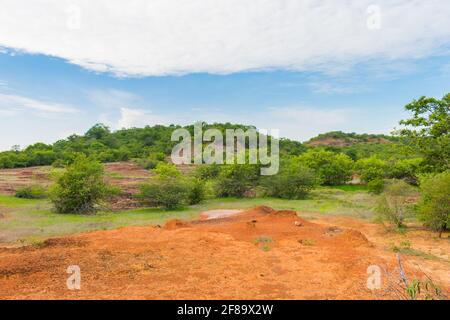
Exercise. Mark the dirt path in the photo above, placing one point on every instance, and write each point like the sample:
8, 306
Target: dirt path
257, 254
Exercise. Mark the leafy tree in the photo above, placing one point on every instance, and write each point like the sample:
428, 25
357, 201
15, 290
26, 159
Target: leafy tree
170, 190
165, 192
394, 204
434, 206
371, 169
428, 130
333, 169
98, 131
237, 180
196, 191
376, 186
406, 169
167, 170
294, 181
206, 171
81, 188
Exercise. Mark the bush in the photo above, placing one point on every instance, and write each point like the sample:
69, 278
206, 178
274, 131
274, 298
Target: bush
294, 181
164, 192
376, 186
434, 206
394, 205
170, 190
237, 180
207, 171
31, 192
167, 170
196, 192
81, 188
333, 169
152, 160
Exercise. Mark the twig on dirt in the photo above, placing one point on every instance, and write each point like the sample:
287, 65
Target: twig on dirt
402, 272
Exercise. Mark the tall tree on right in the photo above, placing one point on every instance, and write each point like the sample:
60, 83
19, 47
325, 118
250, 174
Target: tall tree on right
428, 130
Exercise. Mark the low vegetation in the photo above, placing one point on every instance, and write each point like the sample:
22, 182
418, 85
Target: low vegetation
31, 192
390, 167
394, 204
81, 187
434, 206
170, 189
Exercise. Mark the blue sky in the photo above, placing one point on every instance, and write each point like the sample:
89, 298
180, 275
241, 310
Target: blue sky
51, 88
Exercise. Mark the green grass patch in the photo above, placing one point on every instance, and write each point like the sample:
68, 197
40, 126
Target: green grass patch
405, 248
13, 202
28, 221
351, 187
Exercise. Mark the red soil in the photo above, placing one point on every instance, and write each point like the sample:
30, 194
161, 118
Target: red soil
203, 259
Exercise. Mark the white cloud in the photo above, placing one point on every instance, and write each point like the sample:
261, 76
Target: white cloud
330, 88
160, 37
15, 104
113, 98
130, 118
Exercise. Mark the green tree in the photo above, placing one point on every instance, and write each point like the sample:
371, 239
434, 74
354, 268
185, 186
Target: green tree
237, 180
165, 192
332, 168
81, 187
394, 204
371, 169
434, 206
167, 170
406, 169
294, 181
428, 130
170, 189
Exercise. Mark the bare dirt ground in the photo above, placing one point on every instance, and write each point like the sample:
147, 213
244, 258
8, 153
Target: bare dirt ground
256, 254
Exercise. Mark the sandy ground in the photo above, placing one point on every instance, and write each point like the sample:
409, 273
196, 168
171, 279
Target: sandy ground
256, 254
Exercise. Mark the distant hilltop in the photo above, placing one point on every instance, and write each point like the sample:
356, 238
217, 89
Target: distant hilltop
342, 139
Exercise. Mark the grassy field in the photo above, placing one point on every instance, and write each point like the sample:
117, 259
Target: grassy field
29, 221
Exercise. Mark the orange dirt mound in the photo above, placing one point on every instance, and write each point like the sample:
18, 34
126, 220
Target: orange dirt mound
354, 237
251, 255
262, 209
175, 224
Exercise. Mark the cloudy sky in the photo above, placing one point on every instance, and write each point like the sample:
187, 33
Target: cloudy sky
301, 66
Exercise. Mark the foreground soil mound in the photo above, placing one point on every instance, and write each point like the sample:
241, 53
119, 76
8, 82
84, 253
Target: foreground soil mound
256, 254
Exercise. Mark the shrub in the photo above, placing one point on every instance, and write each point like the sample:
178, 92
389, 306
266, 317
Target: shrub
165, 192
167, 170
169, 189
207, 171
394, 205
31, 192
376, 186
332, 168
59, 163
294, 181
237, 180
434, 206
196, 192
152, 160
81, 188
